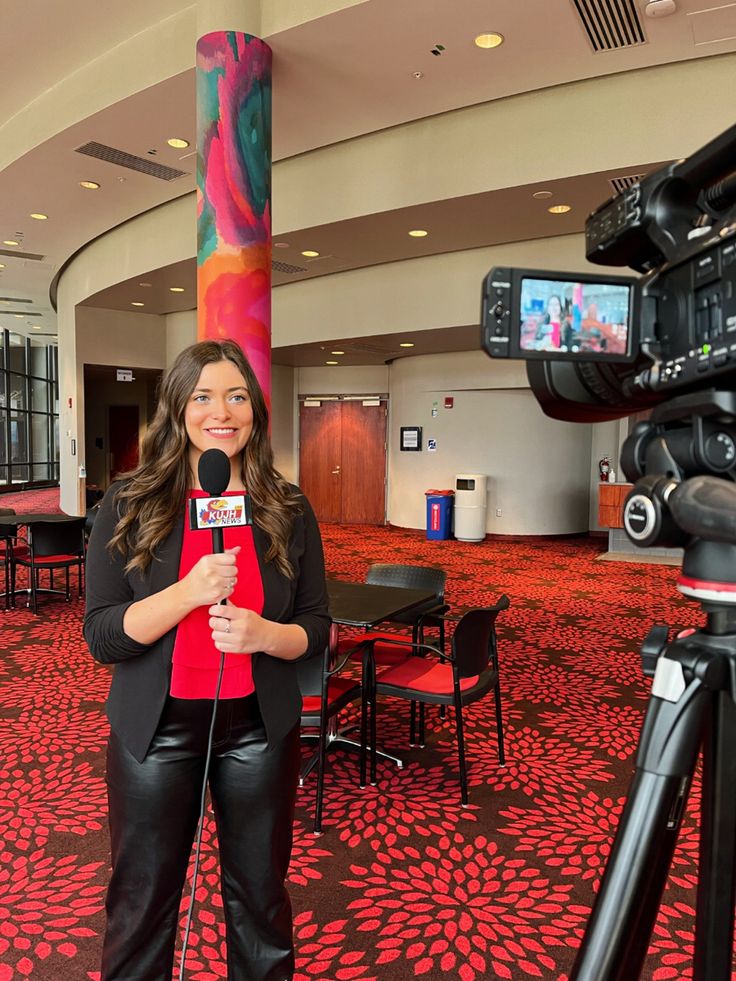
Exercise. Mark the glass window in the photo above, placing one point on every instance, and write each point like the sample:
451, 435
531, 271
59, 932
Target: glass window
39, 359
17, 353
40, 437
19, 438
29, 440
17, 393
39, 395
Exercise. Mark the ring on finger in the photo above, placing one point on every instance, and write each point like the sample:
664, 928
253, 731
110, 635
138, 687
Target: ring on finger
227, 626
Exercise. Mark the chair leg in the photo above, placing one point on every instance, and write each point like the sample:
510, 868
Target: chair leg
499, 724
421, 724
68, 586
364, 700
443, 708
322, 762
33, 576
461, 749
373, 734
413, 724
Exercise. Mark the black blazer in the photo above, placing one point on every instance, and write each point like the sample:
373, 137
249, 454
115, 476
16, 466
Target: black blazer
142, 675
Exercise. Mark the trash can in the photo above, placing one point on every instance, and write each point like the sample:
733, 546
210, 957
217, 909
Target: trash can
470, 507
439, 513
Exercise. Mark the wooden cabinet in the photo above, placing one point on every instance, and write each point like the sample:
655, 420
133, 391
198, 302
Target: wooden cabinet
611, 499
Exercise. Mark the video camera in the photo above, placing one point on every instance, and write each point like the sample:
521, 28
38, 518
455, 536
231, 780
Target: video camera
602, 347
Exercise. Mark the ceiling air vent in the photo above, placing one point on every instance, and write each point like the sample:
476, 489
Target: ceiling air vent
610, 24
109, 154
286, 267
15, 254
13, 299
17, 313
620, 184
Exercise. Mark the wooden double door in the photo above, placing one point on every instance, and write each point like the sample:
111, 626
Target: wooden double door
342, 460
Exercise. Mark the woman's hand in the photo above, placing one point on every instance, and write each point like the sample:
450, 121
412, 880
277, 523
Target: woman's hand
212, 578
240, 631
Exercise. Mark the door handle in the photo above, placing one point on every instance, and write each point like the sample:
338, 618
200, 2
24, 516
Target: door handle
336, 470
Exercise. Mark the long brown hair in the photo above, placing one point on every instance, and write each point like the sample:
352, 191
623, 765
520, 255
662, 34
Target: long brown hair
152, 496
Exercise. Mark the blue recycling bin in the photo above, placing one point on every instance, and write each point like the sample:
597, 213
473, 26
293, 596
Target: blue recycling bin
439, 514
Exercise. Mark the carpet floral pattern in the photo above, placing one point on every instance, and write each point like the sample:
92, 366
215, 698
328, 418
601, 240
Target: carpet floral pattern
405, 883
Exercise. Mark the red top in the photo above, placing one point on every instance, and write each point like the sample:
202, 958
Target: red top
196, 660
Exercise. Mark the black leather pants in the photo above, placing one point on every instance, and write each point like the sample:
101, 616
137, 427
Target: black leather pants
154, 807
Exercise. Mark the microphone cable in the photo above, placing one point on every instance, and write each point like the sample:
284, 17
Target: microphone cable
200, 823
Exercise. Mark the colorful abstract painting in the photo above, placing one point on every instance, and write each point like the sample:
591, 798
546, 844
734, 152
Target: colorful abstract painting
234, 194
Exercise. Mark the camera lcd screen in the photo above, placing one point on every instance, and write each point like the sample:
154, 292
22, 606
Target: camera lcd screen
571, 317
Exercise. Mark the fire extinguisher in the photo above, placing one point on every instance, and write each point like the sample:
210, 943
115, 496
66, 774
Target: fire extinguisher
604, 469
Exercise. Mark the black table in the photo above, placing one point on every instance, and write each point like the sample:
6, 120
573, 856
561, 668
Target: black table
361, 604
27, 519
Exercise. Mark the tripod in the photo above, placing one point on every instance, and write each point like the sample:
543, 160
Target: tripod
693, 702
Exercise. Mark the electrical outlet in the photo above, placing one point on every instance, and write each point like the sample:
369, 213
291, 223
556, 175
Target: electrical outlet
498, 512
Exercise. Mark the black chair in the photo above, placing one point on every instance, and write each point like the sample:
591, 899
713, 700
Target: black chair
457, 679
324, 694
10, 548
52, 545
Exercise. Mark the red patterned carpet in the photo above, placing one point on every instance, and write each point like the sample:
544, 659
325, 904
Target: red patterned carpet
404, 883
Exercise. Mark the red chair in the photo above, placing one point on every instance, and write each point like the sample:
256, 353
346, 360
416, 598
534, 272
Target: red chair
325, 693
51, 545
457, 679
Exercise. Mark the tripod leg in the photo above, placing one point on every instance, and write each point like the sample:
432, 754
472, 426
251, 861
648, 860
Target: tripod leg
716, 877
618, 932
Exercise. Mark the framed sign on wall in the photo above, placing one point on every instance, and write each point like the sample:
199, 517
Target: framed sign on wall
411, 438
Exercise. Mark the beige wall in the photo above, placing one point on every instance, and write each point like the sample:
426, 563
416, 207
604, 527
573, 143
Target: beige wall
538, 468
284, 433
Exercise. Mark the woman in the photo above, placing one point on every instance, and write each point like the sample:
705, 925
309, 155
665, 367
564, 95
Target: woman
549, 331
152, 592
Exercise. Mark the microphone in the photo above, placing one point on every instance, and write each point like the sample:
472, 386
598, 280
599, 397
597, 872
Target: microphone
215, 511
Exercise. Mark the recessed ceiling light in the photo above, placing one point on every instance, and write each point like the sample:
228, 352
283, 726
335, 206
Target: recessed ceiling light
418, 233
310, 253
36, 326
406, 344
10, 241
490, 40
2, 265
137, 303
417, 75
559, 209
332, 362
281, 245
18, 316
542, 195
337, 352
178, 143
38, 216
145, 284
90, 185
176, 289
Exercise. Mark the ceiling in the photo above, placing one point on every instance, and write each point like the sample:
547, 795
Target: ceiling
335, 78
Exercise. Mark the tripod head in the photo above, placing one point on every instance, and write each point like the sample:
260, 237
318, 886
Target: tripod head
683, 463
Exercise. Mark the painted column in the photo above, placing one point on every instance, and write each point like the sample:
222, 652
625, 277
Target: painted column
234, 194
